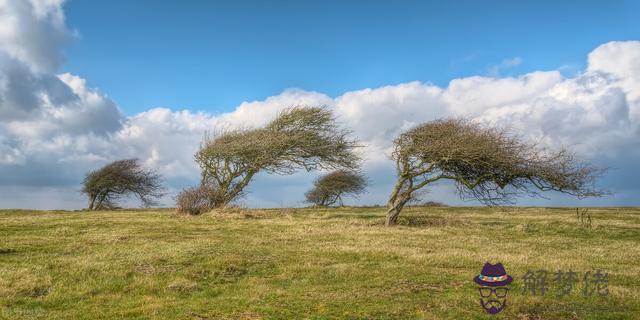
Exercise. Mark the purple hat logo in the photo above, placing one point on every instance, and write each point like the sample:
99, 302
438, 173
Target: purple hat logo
493, 280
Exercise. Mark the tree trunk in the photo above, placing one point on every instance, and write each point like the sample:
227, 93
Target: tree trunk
230, 195
399, 197
100, 198
393, 211
92, 201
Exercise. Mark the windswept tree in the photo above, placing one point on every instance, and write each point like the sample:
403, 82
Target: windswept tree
298, 138
486, 164
120, 179
329, 188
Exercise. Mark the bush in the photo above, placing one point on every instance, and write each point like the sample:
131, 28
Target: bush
196, 200
432, 204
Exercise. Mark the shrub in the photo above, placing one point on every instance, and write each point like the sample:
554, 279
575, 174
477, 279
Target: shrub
196, 200
433, 204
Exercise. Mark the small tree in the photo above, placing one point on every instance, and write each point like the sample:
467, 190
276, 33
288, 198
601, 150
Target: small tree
329, 189
298, 138
485, 163
119, 179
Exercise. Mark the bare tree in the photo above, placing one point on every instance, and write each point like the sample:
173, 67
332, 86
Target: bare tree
298, 138
329, 189
485, 163
119, 179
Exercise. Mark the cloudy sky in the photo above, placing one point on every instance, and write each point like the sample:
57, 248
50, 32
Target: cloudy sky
83, 83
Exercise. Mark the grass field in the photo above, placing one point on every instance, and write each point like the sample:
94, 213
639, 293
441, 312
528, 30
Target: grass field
309, 263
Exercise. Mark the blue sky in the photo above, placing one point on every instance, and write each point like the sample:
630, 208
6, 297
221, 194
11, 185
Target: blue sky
83, 83
212, 55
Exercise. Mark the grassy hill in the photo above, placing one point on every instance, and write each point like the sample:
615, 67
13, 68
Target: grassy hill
310, 263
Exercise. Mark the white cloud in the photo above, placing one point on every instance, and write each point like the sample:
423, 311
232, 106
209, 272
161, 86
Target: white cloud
53, 128
473, 95
257, 113
620, 59
378, 115
33, 32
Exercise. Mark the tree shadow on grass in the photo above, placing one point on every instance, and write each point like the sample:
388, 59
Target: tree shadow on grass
4, 251
429, 221
424, 221
351, 215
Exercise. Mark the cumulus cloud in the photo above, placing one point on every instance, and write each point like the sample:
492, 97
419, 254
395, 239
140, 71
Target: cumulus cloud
620, 59
33, 32
51, 125
54, 127
376, 115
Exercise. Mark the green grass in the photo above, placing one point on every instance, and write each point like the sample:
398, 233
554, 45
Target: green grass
308, 263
